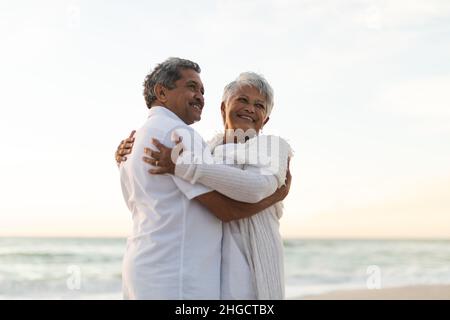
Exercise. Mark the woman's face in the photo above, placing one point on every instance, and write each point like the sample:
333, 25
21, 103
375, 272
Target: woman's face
245, 110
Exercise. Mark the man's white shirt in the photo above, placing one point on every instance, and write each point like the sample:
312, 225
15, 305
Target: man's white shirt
174, 251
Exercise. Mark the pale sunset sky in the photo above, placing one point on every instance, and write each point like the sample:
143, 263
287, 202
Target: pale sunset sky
362, 93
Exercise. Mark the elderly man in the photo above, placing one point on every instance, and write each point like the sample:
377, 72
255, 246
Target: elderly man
174, 251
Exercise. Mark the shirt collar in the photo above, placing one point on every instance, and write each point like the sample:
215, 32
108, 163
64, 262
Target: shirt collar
163, 111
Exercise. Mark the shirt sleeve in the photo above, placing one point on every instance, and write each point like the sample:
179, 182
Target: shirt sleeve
190, 190
194, 145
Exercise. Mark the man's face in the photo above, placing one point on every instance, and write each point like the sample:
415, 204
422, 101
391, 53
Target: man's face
245, 110
186, 99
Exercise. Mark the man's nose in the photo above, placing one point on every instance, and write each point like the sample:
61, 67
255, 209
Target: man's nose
200, 98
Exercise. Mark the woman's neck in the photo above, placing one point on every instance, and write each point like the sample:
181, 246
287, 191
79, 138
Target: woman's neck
238, 135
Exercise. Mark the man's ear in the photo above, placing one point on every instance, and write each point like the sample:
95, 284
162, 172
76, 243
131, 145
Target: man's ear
160, 92
222, 111
265, 121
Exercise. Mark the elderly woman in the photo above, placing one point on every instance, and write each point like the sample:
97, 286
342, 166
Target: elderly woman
252, 248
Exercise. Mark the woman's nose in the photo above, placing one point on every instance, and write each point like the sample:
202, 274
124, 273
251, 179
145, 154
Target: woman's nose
249, 108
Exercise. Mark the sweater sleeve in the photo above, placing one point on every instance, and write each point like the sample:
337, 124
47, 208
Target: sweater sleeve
248, 185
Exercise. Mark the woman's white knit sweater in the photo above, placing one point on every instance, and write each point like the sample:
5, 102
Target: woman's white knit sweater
253, 171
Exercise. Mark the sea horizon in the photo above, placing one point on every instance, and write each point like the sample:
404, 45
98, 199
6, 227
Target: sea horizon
90, 267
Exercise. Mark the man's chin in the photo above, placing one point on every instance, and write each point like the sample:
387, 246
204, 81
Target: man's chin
194, 120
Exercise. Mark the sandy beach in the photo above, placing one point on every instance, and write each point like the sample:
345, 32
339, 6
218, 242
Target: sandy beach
433, 292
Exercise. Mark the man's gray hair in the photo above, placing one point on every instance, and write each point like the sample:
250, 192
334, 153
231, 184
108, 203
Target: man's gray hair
166, 73
254, 80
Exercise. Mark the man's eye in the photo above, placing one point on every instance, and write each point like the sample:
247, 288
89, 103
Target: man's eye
260, 106
243, 100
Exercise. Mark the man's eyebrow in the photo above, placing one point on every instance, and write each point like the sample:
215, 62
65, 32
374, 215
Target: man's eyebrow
197, 84
194, 82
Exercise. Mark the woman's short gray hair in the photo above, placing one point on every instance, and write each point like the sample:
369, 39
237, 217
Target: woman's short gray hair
166, 73
254, 80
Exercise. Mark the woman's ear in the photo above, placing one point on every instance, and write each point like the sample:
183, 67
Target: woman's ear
222, 110
160, 92
266, 120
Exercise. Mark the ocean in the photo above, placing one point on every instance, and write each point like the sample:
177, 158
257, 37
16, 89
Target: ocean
70, 268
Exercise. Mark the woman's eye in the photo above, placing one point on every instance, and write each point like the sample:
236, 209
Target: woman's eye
243, 100
260, 106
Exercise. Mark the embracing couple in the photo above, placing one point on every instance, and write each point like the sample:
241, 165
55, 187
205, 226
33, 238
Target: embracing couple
205, 215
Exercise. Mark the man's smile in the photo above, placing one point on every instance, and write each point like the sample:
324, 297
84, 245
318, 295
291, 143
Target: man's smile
196, 106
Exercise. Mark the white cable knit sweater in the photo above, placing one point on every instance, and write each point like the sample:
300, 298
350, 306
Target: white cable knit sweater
253, 171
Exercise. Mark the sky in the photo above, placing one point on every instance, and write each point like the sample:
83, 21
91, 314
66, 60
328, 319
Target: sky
362, 93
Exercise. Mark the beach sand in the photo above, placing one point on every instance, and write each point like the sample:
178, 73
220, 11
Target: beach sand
433, 292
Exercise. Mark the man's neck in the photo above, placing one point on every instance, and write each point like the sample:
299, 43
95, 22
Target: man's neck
161, 104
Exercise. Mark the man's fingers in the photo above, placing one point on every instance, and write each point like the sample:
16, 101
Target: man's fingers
288, 177
132, 134
288, 172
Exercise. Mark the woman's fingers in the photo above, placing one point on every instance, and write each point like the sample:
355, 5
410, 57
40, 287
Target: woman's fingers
156, 163
125, 148
158, 144
120, 158
128, 141
153, 154
159, 170
151, 161
122, 151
